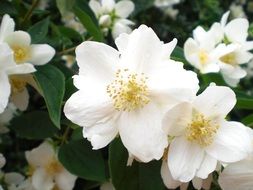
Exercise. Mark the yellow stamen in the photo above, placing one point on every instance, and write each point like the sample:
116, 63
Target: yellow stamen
203, 57
53, 167
229, 59
201, 130
21, 53
17, 84
128, 91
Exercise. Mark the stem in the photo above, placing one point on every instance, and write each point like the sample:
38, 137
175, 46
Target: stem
66, 51
65, 135
29, 13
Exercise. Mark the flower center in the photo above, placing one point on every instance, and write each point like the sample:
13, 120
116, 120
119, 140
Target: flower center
21, 53
17, 84
203, 57
128, 91
201, 130
229, 59
53, 167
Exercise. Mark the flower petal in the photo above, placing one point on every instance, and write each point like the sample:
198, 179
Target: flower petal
232, 142
237, 176
177, 118
168, 181
18, 38
40, 156
124, 8
108, 5
24, 68
42, 181
237, 30
101, 134
120, 28
95, 7
41, 54
141, 132
86, 108
7, 27
6, 57
215, 101
65, 180
207, 166
184, 159
97, 60
5, 90
21, 99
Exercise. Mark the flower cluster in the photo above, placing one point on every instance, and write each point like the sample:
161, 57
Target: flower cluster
223, 48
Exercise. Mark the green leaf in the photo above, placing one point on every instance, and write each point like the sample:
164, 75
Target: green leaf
248, 120
244, 103
79, 158
33, 125
87, 18
178, 55
70, 88
39, 30
139, 176
142, 5
51, 81
7, 8
64, 6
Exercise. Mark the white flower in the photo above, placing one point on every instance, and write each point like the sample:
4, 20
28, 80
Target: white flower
202, 136
237, 11
8, 69
237, 176
201, 50
170, 183
16, 181
24, 54
70, 20
235, 32
167, 7
125, 91
113, 15
47, 172
20, 43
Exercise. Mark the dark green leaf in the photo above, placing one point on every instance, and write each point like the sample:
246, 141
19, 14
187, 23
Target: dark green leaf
136, 177
39, 30
33, 125
79, 158
87, 18
178, 55
7, 8
51, 81
244, 103
142, 5
248, 120
64, 6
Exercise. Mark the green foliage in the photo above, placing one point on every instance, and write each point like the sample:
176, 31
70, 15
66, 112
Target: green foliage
79, 158
39, 30
51, 81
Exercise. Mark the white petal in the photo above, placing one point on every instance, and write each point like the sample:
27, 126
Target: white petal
24, 68
21, 99
42, 181
207, 166
177, 118
231, 143
224, 18
65, 180
40, 156
108, 5
168, 181
13, 178
233, 82
124, 8
5, 90
197, 183
184, 158
87, 109
237, 30
18, 38
142, 134
97, 60
120, 28
215, 101
122, 42
248, 45
101, 134
41, 54
95, 6
7, 27
243, 57
237, 176
216, 32
6, 57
